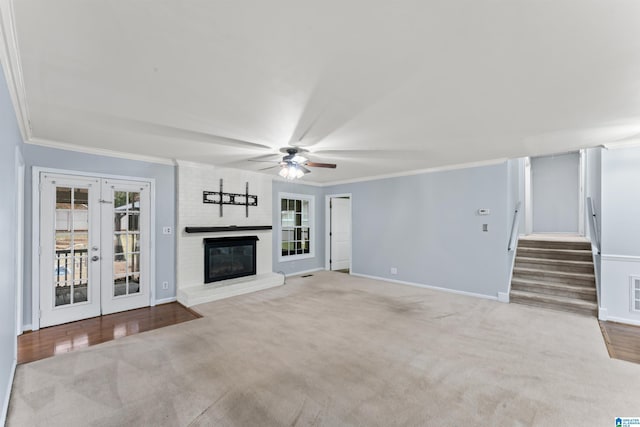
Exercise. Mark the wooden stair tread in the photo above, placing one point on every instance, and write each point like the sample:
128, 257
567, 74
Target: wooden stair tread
553, 273
555, 250
554, 299
566, 262
565, 286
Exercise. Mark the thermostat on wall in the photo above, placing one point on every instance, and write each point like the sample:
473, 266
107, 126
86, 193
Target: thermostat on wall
484, 212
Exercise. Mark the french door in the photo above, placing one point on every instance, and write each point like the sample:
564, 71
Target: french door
94, 247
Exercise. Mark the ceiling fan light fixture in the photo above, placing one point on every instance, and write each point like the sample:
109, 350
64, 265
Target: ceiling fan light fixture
291, 171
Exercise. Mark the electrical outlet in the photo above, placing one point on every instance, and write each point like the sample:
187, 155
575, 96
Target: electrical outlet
394, 270
166, 230
485, 227
165, 285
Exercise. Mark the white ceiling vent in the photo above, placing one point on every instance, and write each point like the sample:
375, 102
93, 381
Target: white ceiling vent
635, 293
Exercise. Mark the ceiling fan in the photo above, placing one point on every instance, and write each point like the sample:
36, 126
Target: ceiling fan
293, 165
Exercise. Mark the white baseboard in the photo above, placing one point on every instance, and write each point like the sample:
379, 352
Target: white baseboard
420, 285
623, 320
27, 327
7, 397
166, 300
602, 314
503, 297
299, 273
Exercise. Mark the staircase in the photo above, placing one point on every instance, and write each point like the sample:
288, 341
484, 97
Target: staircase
555, 273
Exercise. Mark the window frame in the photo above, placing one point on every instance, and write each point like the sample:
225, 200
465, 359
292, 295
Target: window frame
312, 233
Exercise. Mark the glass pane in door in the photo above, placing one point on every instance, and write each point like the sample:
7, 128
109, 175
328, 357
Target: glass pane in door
71, 246
126, 243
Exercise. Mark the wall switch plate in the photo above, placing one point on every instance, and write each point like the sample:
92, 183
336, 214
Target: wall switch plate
165, 285
485, 227
166, 230
394, 270
484, 211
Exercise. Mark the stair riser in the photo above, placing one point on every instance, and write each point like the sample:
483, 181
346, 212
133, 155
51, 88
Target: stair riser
565, 256
586, 295
549, 266
544, 244
552, 306
549, 277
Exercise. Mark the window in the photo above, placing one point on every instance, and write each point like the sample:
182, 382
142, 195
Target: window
296, 226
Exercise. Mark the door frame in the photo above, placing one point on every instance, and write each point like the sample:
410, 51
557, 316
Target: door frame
35, 227
327, 227
528, 192
20, 176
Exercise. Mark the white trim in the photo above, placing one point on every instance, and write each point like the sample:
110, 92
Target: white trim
418, 171
299, 273
327, 228
620, 258
503, 297
528, 207
35, 238
165, 300
420, 285
35, 248
582, 181
27, 327
20, 171
11, 63
99, 151
602, 314
312, 226
7, 396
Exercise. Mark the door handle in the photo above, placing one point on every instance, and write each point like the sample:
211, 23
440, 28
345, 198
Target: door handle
95, 258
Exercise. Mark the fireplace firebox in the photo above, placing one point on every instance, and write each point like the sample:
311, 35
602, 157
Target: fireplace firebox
229, 258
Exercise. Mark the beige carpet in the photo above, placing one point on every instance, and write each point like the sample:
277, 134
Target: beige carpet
336, 350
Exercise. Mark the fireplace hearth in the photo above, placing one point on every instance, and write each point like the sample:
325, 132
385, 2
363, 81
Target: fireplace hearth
229, 258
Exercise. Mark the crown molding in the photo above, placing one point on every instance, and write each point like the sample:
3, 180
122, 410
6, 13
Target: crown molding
100, 151
418, 172
11, 64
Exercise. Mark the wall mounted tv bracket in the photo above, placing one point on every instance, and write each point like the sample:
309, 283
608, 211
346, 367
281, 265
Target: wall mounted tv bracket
221, 198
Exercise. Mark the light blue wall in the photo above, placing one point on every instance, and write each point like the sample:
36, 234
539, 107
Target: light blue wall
427, 227
594, 184
292, 267
9, 139
165, 206
620, 202
620, 205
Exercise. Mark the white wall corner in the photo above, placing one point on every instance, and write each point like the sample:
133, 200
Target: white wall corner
503, 297
602, 313
5, 404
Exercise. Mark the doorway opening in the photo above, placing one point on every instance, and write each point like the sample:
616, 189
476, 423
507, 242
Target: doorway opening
554, 194
338, 235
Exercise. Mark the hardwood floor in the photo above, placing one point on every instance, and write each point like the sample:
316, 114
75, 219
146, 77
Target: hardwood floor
623, 341
59, 339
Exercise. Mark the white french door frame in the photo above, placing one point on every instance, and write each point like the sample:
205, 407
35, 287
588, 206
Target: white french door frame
20, 170
327, 227
35, 227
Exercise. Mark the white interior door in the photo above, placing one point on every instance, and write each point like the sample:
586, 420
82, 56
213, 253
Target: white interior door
95, 239
125, 254
70, 239
340, 233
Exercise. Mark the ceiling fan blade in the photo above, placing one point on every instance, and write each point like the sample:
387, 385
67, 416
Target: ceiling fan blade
273, 157
270, 167
305, 170
321, 165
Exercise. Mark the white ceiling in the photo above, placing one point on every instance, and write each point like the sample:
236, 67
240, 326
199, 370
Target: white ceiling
377, 87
